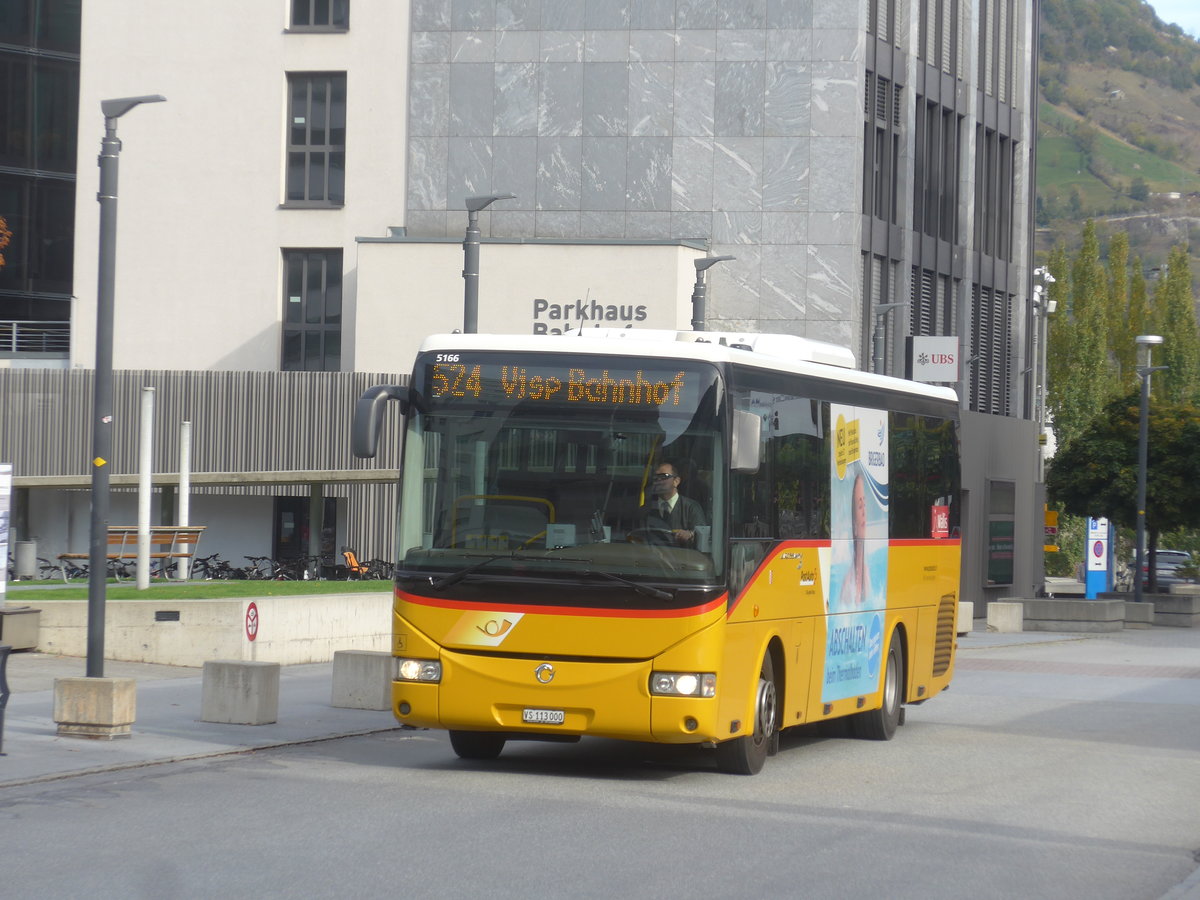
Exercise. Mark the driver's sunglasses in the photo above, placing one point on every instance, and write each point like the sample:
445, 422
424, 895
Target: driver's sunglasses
663, 476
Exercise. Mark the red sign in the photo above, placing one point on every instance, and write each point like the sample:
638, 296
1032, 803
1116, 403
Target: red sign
939, 524
251, 621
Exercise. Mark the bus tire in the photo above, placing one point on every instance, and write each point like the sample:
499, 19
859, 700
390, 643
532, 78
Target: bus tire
880, 724
746, 755
476, 744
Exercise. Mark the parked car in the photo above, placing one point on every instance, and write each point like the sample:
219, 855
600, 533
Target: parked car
1166, 564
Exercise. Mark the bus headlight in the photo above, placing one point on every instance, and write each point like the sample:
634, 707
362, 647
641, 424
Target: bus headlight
684, 684
418, 670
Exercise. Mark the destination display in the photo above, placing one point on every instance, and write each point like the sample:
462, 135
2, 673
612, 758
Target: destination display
453, 377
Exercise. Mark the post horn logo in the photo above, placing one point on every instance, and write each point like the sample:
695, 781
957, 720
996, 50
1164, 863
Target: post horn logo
544, 673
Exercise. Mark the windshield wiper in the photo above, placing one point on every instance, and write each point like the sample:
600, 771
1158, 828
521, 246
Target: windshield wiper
446, 581
646, 589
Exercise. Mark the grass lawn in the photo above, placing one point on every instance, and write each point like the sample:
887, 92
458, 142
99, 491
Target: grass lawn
30, 592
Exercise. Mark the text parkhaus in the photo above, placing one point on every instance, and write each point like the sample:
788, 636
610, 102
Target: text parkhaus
557, 318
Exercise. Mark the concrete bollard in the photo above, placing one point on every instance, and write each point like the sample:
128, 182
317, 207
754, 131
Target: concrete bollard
362, 679
98, 708
240, 692
1139, 615
966, 617
1006, 618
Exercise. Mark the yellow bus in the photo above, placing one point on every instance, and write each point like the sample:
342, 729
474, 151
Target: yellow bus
683, 538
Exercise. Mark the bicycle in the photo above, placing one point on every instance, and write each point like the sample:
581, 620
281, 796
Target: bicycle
47, 571
209, 568
379, 570
308, 568
264, 568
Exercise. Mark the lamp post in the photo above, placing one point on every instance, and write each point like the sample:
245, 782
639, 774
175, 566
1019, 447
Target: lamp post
1145, 342
1044, 307
881, 312
102, 399
700, 289
471, 259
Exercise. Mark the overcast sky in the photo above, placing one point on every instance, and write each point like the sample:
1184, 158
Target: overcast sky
1184, 13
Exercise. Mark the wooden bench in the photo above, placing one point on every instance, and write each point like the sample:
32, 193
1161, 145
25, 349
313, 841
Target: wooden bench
167, 542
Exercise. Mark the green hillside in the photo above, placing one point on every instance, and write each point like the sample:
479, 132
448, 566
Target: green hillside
1119, 125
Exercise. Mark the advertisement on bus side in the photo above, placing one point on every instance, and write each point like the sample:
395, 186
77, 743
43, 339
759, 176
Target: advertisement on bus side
859, 565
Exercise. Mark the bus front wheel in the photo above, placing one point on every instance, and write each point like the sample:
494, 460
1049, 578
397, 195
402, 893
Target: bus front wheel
746, 755
476, 744
880, 724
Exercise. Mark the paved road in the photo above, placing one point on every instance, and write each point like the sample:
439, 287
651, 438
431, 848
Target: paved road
1056, 766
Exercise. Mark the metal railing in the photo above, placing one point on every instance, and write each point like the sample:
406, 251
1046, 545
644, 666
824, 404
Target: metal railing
35, 337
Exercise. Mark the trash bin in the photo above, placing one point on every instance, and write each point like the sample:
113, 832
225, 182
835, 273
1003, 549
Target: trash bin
25, 559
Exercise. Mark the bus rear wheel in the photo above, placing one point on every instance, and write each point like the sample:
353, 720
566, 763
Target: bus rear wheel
746, 755
476, 744
880, 724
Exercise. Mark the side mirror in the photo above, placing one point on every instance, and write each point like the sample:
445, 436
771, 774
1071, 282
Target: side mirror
368, 417
747, 433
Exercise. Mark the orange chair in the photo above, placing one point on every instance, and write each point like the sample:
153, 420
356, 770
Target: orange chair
353, 566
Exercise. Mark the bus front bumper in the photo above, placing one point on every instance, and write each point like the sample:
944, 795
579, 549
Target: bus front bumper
553, 697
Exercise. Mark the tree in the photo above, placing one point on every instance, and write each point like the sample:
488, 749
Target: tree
1116, 312
1138, 317
1097, 473
1081, 377
1174, 317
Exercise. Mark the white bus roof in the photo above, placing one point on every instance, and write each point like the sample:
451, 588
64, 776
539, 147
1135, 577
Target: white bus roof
783, 352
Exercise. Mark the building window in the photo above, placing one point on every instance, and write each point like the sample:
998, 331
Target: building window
316, 149
1002, 508
320, 15
991, 348
312, 311
995, 192
881, 148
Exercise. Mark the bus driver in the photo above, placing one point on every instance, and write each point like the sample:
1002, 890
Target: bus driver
669, 510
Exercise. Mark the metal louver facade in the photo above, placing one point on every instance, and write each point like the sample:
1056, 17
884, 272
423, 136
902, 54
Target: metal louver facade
267, 433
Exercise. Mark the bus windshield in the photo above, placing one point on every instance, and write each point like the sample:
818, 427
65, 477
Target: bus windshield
605, 470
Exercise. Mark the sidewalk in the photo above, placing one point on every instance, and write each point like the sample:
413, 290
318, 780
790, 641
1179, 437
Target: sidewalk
167, 726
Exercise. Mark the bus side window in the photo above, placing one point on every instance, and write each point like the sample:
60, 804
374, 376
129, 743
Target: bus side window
923, 477
799, 454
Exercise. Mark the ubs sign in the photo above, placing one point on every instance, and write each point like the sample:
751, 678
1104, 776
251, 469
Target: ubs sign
933, 358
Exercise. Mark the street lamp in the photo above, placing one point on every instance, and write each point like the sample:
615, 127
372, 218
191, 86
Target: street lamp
881, 312
700, 290
471, 259
1145, 342
102, 399
1044, 306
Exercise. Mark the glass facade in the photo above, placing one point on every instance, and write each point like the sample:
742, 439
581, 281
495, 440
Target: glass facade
39, 104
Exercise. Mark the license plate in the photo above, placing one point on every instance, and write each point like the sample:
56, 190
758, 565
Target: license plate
543, 716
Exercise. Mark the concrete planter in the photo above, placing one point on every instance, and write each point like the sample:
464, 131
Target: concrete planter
287, 630
1074, 615
1177, 610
